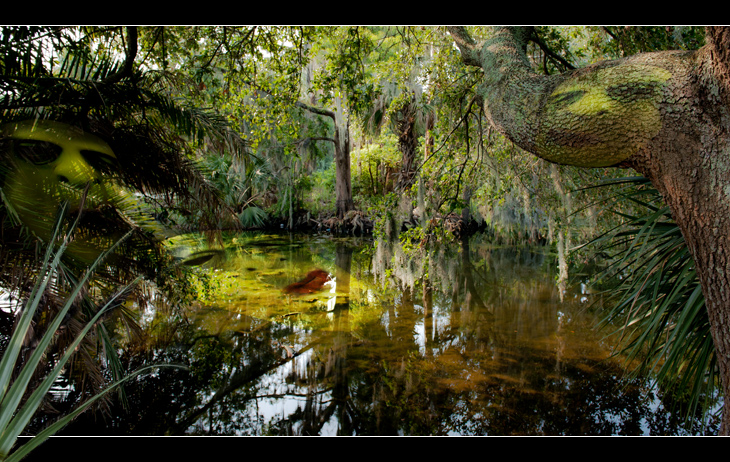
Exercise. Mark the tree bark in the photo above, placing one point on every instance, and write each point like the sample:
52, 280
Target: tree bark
407, 144
343, 174
663, 114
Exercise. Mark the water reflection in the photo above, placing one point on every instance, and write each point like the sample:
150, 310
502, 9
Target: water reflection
466, 340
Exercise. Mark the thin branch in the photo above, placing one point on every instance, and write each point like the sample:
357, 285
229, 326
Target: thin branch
461, 120
549, 53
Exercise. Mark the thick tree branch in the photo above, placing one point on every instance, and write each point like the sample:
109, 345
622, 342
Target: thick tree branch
513, 94
316, 110
597, 116
466, 45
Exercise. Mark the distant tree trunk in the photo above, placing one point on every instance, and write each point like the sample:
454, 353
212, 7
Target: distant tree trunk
407, 144
466, 211
664, 114
343, 176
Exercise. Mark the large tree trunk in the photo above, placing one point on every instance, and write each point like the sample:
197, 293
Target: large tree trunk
664, 114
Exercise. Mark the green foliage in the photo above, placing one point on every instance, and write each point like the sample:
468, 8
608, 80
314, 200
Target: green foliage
413, 239
253, 217
383, 210
627, 41
554, 50
347, 50
18, 402
321, 184
374, 166
658, 304
290, 197
234, 179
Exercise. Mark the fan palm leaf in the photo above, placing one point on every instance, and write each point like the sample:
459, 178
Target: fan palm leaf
659, 308
16, 410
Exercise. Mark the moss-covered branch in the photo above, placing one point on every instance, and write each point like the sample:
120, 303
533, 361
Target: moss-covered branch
593, 117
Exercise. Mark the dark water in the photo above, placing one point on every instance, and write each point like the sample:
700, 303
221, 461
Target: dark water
467, 339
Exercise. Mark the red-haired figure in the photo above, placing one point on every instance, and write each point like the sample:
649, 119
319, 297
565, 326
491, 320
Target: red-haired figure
314, 281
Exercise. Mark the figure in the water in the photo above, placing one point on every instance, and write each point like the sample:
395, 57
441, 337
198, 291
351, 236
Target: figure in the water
314, 281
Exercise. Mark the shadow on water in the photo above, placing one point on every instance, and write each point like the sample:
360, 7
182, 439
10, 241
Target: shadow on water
465, 339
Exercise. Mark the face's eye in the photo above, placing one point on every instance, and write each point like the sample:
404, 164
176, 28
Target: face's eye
102, 163
36, 152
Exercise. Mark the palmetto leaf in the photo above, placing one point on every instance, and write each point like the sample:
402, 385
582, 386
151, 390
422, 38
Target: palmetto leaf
58, 425
47, 74
253, 217
658, 302
15, 414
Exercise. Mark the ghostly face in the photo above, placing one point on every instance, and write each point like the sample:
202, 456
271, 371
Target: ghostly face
55, 162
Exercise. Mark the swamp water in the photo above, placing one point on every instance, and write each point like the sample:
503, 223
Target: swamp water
467, 339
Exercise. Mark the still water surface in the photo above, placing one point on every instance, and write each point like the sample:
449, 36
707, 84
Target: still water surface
467, 339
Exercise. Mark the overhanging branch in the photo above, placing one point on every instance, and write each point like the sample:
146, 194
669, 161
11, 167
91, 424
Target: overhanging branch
126, 70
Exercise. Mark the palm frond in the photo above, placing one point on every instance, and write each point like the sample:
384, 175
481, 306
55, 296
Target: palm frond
149, 130
658, 309
16, 410
253, 217
153, 136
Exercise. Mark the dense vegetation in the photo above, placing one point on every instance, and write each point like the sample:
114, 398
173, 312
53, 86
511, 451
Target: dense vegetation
339, 129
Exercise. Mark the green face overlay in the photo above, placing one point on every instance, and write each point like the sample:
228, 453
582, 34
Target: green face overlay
55, 162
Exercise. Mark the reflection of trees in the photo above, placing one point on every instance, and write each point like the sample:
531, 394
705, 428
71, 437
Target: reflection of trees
468, 356
330, 381
222, 374
342, 338
317, 413
488, 369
